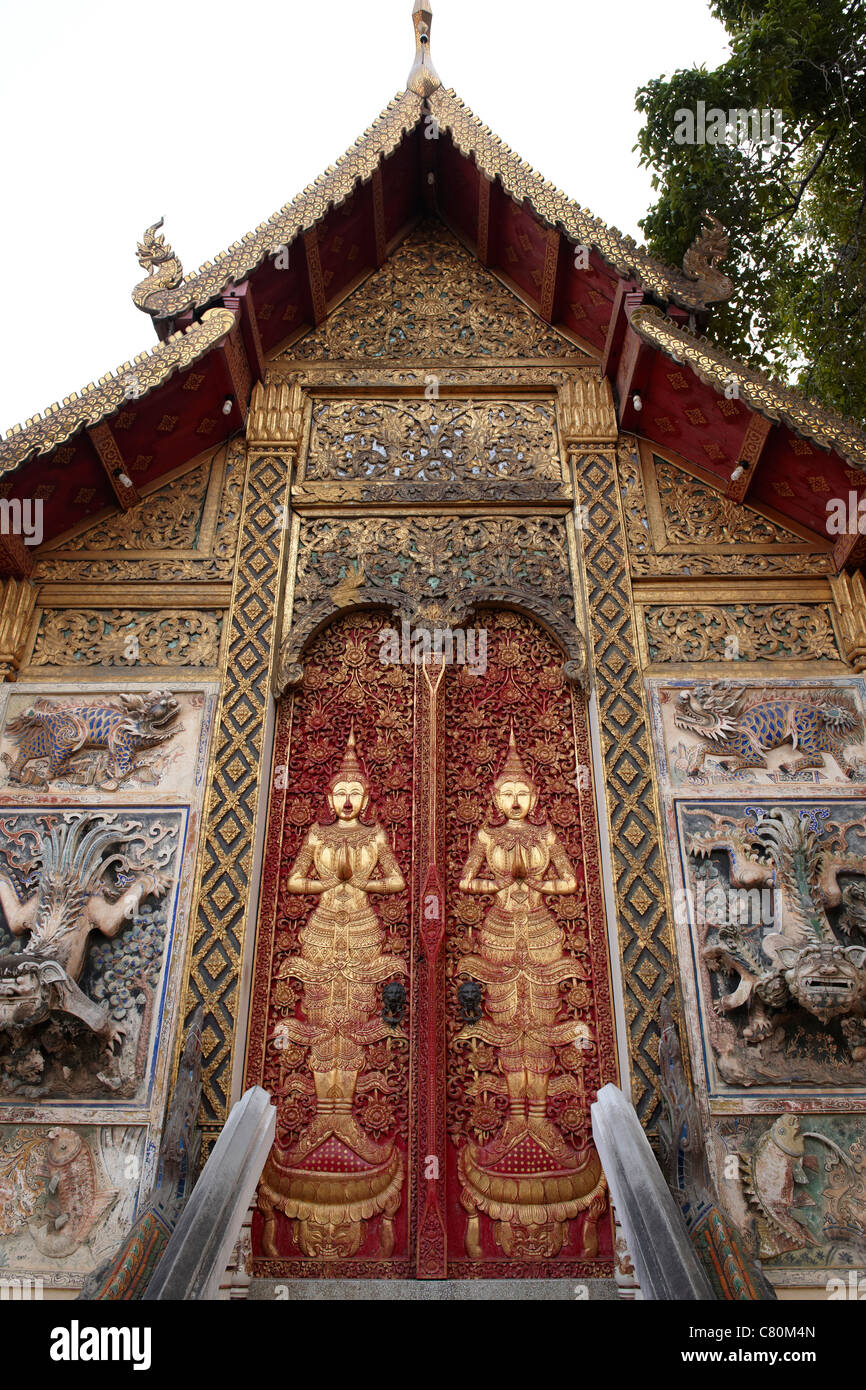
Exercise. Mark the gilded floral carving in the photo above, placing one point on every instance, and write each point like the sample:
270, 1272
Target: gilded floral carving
167, 519
433, 440
432, 299
217, 558
430, 558
126, 637
692, 512
740, 632
677, 524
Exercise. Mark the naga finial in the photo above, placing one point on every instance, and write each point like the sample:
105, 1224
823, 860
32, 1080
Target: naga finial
701, 261
423, 78
165, 271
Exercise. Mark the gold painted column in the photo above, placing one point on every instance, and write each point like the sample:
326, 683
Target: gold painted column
432, 1253
17, 601
849, 602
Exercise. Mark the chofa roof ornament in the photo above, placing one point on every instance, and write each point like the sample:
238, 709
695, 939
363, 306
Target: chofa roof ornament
701, 261
423, 78
165, 271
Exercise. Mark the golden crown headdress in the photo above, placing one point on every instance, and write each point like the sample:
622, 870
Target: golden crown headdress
513, 769
351, 768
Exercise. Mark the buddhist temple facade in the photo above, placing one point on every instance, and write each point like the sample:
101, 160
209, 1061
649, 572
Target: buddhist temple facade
439, 681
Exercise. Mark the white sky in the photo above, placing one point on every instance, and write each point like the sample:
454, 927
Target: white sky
215, 114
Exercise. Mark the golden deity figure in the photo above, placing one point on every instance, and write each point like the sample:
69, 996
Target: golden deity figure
337, 1177
527, 1179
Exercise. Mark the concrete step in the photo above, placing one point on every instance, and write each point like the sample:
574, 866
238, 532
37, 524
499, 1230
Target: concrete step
432, 1290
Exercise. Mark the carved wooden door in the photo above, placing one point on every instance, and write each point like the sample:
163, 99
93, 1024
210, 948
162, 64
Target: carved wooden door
431, 1004
527, 1001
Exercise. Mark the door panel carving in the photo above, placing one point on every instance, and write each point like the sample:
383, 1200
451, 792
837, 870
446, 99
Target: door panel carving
329, 1030
433, 1087
529, 1015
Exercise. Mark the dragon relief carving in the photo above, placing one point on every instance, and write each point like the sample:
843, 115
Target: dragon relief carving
165, 271
798, 1007
64, 877
57, 732
740, 737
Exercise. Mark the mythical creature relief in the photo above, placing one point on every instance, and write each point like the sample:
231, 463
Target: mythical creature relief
779, 903
801, 1195
65, 1196
727, 1257
76, 1019
734, 730
51, 734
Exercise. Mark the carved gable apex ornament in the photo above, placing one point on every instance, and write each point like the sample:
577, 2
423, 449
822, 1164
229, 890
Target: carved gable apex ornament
423, 78
432, 299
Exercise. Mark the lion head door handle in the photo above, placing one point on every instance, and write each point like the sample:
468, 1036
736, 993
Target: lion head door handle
470, 997
393, 1003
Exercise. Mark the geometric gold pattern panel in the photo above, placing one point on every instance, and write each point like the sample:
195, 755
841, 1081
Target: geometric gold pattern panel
639, 870
237, 777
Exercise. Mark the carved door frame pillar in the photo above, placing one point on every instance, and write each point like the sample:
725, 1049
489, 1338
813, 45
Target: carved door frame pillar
236, 799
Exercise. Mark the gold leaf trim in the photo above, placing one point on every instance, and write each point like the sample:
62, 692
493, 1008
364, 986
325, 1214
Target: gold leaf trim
332, 188
495, 159
773, 400
149, 370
